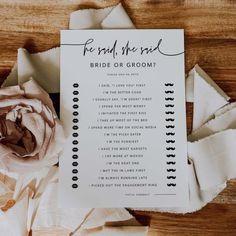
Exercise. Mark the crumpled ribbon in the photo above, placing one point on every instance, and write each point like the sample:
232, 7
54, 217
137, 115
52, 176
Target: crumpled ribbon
30, 202
210, 145
20, 191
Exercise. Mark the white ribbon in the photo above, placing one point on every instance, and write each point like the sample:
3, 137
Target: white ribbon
211, 149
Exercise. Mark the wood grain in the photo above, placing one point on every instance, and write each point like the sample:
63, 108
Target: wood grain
210, 41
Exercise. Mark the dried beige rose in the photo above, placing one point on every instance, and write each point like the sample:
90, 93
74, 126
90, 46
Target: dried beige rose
31, 136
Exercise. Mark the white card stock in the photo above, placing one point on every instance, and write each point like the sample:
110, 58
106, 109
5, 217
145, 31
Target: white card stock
124, 114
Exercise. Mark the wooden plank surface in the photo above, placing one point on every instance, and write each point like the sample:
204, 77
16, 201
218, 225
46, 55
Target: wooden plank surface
210, 41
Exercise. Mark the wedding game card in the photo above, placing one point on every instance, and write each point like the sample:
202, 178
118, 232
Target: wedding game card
123, 109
